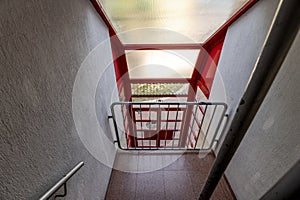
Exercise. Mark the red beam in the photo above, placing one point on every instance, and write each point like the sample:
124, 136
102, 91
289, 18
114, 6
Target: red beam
200, 63
223, 29
213, 45
157, 95
104, 17
161, 46
196, 76
160, 80
118, 52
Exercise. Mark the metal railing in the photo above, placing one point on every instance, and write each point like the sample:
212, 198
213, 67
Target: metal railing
60, 183
167, 125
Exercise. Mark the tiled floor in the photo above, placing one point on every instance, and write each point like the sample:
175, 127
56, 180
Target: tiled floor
180, 180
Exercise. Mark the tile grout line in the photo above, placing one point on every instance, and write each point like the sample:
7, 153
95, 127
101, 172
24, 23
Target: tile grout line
136, 174
164, 182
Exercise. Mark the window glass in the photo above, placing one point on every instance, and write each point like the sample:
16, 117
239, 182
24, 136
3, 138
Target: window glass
161, 63
168, 21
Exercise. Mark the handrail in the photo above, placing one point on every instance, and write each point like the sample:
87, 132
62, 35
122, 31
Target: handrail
61, 182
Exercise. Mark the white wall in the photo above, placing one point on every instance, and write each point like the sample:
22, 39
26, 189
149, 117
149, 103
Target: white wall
43, 44
243, 42
271, 145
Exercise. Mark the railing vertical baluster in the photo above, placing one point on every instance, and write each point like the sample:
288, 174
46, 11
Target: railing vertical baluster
158, 126
202, 120
195, 115
125, 131
209, 126
184, 126
177, 110
150, 124
141, 118
219, 124
166, 133
133, 126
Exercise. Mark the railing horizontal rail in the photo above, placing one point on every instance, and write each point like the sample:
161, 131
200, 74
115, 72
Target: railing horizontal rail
170, 103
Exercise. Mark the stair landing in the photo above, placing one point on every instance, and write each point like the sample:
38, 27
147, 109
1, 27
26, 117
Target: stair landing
183, 179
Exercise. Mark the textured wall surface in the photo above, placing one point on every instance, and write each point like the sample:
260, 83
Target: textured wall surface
271, 145
43, 44
243, 42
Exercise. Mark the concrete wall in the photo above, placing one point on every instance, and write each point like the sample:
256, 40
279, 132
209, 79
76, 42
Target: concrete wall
271, 145
243, 42
43, 44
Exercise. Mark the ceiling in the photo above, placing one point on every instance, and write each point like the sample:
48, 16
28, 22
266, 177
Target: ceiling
168, 21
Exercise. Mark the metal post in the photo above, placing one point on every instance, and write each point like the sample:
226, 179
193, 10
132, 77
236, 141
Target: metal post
283, 30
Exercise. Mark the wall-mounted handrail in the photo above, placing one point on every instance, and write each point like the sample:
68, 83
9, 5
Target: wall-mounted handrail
61, 182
